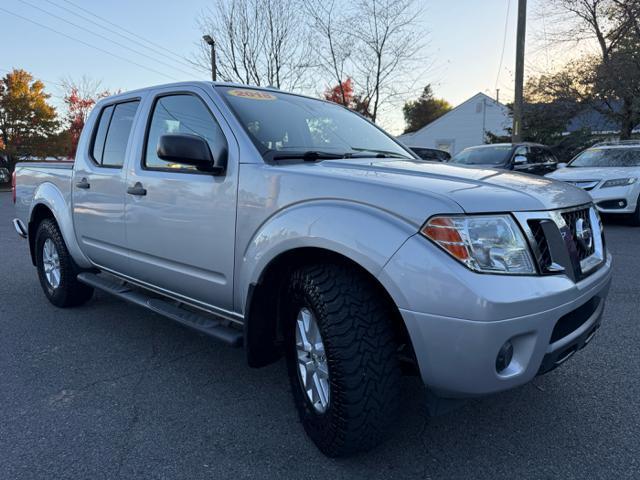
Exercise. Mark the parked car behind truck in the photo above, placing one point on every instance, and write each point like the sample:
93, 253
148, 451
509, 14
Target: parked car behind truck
520, 157
296, 228
610, 172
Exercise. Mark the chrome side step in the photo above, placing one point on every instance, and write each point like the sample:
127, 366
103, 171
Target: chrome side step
211, 326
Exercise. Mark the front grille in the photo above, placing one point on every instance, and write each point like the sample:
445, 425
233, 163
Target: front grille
585, 184
565, 241
544, 258
571, 218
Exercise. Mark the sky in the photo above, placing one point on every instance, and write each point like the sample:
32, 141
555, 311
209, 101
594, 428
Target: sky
463, 48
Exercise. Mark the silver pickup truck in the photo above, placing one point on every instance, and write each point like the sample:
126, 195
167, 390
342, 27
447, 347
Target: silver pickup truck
296, 228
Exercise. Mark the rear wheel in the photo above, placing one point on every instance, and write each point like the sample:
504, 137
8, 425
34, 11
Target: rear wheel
56, 269
342, 358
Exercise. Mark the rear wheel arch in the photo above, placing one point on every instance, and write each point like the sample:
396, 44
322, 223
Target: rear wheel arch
39, 213
263, 331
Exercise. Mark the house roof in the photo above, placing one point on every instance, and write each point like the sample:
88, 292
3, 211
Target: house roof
594, 120
477, 96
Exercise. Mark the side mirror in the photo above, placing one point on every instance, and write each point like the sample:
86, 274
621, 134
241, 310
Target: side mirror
188, 149
520, 160
561, 165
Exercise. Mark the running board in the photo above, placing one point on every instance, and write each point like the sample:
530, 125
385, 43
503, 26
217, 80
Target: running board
209, 326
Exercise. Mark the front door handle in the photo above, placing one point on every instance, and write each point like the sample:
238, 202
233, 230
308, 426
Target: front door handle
137, 189
83, 183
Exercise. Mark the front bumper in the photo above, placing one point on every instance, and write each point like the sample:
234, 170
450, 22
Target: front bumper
616, 200
472, 315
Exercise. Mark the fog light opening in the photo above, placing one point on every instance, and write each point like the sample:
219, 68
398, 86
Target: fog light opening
505, 355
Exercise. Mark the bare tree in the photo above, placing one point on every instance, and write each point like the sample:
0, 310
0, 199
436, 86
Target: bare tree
607, 22
332, 39
259, 42
388, 42
609, 81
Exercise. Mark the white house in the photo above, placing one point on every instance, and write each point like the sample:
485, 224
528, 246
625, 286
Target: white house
462, 127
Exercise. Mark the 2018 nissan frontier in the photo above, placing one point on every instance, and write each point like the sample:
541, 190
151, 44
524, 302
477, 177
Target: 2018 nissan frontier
295, 227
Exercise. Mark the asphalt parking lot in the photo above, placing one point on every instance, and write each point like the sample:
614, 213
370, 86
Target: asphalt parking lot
111, 391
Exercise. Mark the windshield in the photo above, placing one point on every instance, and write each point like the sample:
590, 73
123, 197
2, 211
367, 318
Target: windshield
281, 122
483, 156
608, 157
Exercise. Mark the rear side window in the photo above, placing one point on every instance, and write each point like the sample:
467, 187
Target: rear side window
101, 134
112, 134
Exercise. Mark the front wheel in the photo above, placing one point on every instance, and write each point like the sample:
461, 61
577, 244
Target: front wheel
56, 269
342, 358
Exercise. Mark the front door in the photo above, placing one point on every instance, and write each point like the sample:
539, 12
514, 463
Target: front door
98, 187
180, 223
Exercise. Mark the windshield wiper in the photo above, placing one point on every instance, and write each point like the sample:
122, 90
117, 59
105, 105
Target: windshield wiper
315, 155
378, 153
307, 156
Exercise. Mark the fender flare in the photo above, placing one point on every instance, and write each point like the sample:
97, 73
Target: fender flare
367, 235
50, 196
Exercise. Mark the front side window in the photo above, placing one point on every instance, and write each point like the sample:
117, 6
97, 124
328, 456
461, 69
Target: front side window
181, 113
537, 155
282, 122
112, 134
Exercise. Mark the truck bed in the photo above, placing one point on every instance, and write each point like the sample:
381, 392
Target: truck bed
32, 175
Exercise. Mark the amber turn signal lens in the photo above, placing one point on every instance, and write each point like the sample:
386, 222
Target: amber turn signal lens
442, 231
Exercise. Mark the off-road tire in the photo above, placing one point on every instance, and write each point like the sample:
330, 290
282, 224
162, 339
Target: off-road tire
70, 292
361, 350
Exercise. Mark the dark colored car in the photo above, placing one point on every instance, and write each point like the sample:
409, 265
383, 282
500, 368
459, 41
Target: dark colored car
522, 157
431, 154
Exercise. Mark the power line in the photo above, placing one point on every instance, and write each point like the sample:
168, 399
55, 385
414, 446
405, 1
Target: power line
138, 52
504, 42
124, 29
111, 30
115, 55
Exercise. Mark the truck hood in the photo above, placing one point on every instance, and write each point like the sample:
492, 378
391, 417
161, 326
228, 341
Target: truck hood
476, 190
594, 173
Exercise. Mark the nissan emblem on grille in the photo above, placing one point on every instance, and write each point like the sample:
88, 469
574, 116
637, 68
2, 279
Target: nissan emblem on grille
583, 234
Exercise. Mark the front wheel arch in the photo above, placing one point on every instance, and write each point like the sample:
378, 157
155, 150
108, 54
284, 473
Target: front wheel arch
263, 330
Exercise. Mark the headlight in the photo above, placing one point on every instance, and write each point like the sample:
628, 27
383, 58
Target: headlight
619, 182
490, 244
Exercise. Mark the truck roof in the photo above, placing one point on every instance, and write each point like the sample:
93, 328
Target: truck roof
199, 83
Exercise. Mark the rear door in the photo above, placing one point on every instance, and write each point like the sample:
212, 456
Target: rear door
98, 186
180, 223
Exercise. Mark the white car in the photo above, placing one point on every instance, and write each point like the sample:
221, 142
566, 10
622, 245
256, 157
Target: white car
611, 174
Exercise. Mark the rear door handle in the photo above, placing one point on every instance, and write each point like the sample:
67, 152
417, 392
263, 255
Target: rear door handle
137, 189
83, 183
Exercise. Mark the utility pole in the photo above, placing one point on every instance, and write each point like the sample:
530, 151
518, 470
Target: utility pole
518, 100
497, 95
212, 44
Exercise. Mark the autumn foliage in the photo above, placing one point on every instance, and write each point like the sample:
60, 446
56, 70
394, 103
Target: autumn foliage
28, 122
78, 108
344, 94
